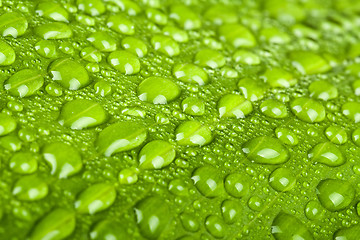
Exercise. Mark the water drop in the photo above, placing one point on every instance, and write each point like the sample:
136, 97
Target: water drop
120, 137
282, 180
193, 133
335, 195
95, 198
208, 181
153, 215
232, 105
56, 225
69, 74
266, 150
156, 154
286, 226
308, 110
30, 188
65, 160
13, 24
274, 108
7, 54
24, 83
158, 90
125, 62
55, 30
237, 185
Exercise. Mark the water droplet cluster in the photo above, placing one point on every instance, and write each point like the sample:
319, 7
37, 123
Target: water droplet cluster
154, 119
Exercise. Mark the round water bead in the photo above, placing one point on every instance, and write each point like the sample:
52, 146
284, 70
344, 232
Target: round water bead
178, 187
334, 194
65, 160
303, 31
157, 16
233, 105
231, 211
190, 73
91, 54
286, 136
314, 210
176, 33
309, 62
185, 17
255, 203
246, 57
158, 90
121, 24
52, 11
352, 111
237, 35
55, 30
152, 210
356, 87
209, 58
119, 137
215, 226
125, 62
27, 134
266, 150
135, 112
58, 224
92, 67
102, 41
336, 134
11, 143
212, 43
282, 180
91, 7
95, 198
30, 188
69, 74
54, 89
278, 77
274, 108
46, 48
351, 233
7, 54
15, 106
323, 90
193, 106
356, 137
229, 72
286, 226
193, 133
328, 154
208, 181
237, 185
7, 124
308, 110
274, 35
156, 155
13, 24
128, 176
221, 14
24, 83
85, 19
165, 45
67, 48
135, 46
102, 88
24, 162
189, 222
252, 89
108, 230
